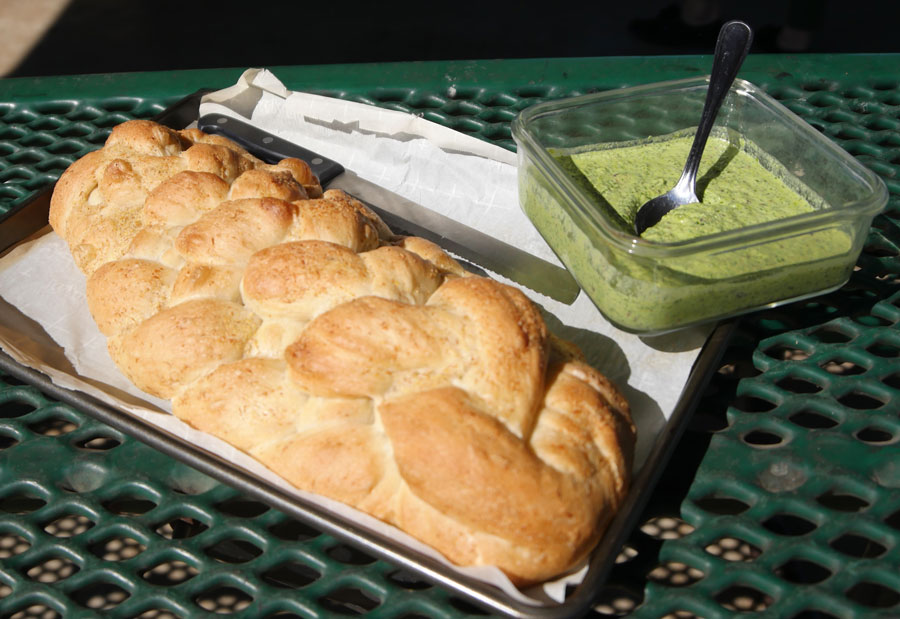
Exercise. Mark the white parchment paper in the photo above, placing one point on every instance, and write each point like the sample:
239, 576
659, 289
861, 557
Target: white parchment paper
460, 176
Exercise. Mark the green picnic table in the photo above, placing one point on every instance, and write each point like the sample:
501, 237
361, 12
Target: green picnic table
781, 498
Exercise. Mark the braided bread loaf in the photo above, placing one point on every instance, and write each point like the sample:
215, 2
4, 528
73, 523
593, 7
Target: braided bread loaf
364, 366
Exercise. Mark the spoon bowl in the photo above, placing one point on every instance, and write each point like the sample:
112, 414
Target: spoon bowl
732, 47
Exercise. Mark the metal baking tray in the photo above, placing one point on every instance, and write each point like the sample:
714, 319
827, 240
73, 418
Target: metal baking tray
31, 216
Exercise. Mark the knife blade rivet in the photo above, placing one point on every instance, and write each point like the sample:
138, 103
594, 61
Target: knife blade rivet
316, 161
222, 120
267, 140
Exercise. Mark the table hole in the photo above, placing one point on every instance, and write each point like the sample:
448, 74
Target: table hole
75, 131
666, 527
733, 549
349, 555
293, 531
98, 443
627, 554
500, 99
12, 544
52, 426
532, 91
36, 611
11, 191
21, 503
242, 507
887, 138
20, 174
724, 505
180, 528
223, 600
38, 140
743, 598
893, 520
832, 335
789, 525
391, 95
68, 525
11, 381
497, 132
233, 551
851, 133
753, 404
67, 147
616, 601
798, 385
12, 133
408, 580
812, 420
675, 574
784, 352
762, 438
83, 114
841, 367
120, 104
12, 408
860, 401
57, 107
459, 108
858, 546
892, 380
349, 601
8, 441
883, 349
868, 320
100, 595
873, 595
874, 435
117, 548
129, 505
813, 614
169, 573
840, 116
802, 572
157, 613
841, 501
52, 570
817, 86
291, 575
111, 120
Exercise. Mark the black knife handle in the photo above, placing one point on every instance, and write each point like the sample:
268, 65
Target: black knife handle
270, 148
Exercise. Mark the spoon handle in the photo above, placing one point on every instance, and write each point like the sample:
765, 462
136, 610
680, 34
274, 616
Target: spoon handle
732, 46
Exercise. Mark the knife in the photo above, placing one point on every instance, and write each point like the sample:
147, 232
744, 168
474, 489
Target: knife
403, 215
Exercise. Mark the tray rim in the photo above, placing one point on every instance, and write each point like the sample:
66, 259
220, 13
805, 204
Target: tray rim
602, 557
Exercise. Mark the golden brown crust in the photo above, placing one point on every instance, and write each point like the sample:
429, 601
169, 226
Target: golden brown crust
361, 365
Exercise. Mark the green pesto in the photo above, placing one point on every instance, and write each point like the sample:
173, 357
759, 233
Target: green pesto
645, 293
735, 189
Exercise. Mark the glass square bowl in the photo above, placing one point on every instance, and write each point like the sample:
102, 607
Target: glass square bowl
651, 287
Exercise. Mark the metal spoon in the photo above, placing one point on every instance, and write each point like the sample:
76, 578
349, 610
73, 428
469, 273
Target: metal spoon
731, 49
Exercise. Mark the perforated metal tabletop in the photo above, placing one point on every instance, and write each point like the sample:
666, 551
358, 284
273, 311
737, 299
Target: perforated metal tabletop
782, 498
